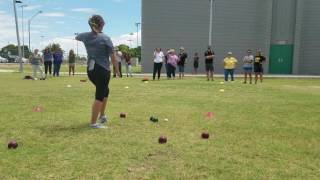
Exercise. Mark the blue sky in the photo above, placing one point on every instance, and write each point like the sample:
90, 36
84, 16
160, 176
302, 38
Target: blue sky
62, 18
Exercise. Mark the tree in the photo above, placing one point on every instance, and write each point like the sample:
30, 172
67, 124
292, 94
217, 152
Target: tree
124, 48
136, 52
10, 49
133, 52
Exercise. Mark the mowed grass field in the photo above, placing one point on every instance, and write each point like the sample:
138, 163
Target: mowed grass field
264, 131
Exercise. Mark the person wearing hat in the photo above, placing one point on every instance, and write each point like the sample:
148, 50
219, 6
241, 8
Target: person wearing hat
181, 62
99, 49
158, 58
229, 66
209, 56
259, 59
247, 66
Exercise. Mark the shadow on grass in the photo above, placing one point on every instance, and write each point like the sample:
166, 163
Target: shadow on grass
58, 129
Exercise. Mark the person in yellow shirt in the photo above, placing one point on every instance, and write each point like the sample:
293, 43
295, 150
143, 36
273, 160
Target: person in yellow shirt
229, 66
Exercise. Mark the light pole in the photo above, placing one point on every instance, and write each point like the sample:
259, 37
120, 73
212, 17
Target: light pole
137, 24
17, 31
29, 23
211, 18
23, 6
76, 34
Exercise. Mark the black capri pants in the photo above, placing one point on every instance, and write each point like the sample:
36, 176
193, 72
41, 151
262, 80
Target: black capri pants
100, 77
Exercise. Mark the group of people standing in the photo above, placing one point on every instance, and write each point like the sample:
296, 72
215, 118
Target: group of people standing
48, 59
57, 58
122, 57
250, 63
172, 61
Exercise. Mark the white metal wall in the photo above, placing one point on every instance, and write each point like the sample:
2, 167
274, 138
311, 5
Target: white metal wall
237, 26
309, 38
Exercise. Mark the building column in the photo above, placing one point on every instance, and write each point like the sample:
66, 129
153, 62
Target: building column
282, 37
297, 38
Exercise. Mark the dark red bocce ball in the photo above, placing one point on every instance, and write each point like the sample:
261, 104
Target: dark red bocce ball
123, 115
12, 144
162, 139
205, 135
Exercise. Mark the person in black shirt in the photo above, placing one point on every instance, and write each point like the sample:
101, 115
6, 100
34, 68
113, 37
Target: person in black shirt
195, 63
182, 60
258, 65
209, 56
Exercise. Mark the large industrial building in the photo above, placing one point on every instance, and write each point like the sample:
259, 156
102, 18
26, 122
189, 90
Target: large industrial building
287, 31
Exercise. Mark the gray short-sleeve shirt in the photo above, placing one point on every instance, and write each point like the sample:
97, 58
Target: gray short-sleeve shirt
99, 48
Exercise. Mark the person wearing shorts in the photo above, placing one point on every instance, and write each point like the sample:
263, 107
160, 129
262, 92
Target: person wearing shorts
247, 66
259, 59
209, 56
99, 49
127, 59
182, 61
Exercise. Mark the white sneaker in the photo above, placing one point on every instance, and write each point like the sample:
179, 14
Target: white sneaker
103, 119
97, 126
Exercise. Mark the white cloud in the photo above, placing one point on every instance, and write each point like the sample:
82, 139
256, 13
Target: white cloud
67, 43
32, 7
129, 39
55, 14
84, 10
7, 29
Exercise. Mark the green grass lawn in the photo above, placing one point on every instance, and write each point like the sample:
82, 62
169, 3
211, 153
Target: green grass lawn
264, 131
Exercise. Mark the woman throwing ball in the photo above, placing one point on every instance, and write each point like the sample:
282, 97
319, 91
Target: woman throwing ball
99, 49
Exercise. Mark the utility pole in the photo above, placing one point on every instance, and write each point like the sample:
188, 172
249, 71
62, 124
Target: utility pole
76, 34
137, 24
23, 6
29, 23
17, 31
210, 23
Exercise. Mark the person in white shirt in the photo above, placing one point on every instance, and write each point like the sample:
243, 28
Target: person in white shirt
158, 58
247, 66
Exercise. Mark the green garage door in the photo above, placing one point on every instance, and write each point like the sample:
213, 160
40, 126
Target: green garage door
281, 57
